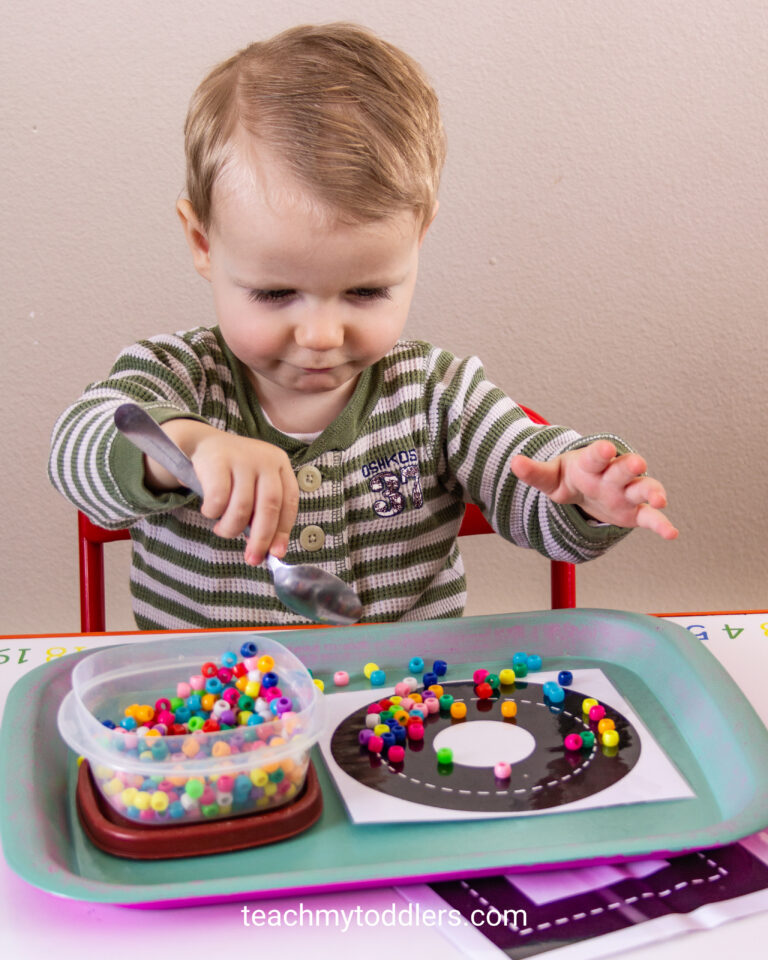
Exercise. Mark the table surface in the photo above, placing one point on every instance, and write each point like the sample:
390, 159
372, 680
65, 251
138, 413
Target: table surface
31, 920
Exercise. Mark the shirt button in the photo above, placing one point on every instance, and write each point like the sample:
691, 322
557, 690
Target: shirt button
309, 478
312, 537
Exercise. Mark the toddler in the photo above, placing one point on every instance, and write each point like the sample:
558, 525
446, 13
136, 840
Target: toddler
313, 163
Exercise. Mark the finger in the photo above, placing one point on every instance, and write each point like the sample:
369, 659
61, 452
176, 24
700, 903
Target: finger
596, 456
239, 508
654, 520
646, 490
217, 488
266, 514
626, 468
544, 476
288, 513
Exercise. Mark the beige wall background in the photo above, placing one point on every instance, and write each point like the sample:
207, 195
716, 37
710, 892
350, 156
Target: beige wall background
601, 244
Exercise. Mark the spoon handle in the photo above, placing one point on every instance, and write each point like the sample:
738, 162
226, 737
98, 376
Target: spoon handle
145, 433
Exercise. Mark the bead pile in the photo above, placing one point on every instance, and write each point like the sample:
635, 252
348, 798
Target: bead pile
230, 742
397, 721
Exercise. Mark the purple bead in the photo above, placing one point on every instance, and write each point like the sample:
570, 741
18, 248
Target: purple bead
364, 736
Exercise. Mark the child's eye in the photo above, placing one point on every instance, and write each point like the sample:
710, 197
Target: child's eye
371, 293
270, 296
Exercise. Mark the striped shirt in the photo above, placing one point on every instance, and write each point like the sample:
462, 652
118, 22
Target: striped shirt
424, 433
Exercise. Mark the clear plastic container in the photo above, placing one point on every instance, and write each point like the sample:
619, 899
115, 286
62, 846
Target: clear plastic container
257, 765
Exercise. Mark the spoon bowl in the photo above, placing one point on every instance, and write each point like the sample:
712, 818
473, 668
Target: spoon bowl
305, 589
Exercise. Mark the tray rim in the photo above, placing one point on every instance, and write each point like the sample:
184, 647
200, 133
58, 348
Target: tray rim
176, 893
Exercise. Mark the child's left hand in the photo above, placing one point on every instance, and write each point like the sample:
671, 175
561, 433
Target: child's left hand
608, 487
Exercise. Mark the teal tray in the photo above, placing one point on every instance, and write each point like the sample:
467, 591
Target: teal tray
682, 694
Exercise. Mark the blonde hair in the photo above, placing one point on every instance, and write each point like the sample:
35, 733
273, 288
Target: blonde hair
353, 118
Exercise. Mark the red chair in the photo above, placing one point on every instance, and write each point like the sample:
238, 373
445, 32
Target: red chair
91, 557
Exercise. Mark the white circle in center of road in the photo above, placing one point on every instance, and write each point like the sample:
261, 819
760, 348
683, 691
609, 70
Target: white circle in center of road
483, 743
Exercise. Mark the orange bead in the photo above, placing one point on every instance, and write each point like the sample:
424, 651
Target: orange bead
458, 710
508, 708
605, 724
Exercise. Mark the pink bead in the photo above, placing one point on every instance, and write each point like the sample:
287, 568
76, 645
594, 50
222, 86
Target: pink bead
231, 695
207, 796
432, 705
597, 712
225, 784
402, 689
273, 693
375, 744
374, 708
396, 754
183, 690
147, 814
341, 678
502, 771
224, 674
166, 717
407, 704
573, 742
415, 731
197, 682
479, 675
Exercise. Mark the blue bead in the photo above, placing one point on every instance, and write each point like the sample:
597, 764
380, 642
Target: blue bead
416, 665
269, 680
213, 685
440, 667
254, 720
194, 702
228, 659
429, 679
534, 661
249, 649
519, 658
565, 678
128, 723
388, 739
378, 678
108, 724
182, 715
554, 692
399, 731
134, 813
175, 810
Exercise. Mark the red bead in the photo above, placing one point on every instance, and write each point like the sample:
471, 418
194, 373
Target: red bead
176, 729
484, 691
239, 670
210, 726
384, 704
209, 669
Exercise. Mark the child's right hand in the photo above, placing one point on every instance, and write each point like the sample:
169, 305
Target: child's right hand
245, 483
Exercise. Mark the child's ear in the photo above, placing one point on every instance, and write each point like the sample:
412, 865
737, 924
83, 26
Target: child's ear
196, 238
428, 224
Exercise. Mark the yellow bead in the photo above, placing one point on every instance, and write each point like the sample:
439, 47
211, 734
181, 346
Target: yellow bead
113, 786
141, 800
252, 688
369, 668
270, 789
243, 717
458, 710
159, 801
395, 700
319, 684
128, 796
610, 738
508, 708
507, 677
380, 728
259, 778
587, 704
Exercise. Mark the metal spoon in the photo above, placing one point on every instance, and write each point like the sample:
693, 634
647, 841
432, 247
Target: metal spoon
307, 590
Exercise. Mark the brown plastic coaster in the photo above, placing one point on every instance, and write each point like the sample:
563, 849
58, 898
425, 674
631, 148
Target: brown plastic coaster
124, 838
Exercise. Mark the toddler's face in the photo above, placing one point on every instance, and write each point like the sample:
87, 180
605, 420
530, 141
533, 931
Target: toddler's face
304, 302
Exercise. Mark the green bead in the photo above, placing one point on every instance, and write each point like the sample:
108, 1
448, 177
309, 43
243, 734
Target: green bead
245, 703
444, 756
587, 739
194, 788
445, 701
210, 810
521, 669
386, 715
177, 703
277, 775
493, 681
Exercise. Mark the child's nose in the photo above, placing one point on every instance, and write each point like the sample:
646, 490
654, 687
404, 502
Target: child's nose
320, 331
